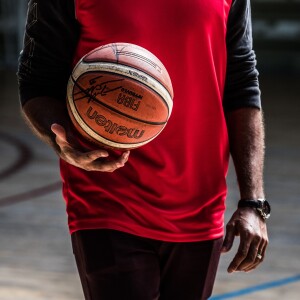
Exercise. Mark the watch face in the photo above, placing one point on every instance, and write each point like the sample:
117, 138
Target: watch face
265, 210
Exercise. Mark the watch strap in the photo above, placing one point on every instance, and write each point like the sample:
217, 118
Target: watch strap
250, 203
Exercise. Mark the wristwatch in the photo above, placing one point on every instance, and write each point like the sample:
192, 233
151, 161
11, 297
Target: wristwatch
262, 206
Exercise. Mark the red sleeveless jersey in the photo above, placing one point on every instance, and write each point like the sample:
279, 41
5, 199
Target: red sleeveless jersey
174, 188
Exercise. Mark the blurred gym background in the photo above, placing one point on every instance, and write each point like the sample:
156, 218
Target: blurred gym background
36, 260
276, 32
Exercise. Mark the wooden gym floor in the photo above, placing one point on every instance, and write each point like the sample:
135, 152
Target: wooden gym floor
36, 261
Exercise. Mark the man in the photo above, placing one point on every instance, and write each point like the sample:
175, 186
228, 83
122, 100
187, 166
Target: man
150, 226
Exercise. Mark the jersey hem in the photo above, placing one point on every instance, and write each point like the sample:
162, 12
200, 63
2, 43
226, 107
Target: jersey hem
209, 234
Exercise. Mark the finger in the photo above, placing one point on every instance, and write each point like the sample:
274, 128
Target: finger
242, 253
259, 259
124, 157
58, 130
110, 166
85, 160
252, 267
261, 252
60, 133
252, 255
120, 162
95, 154
229, 238
251, 258
257, 262
105, 166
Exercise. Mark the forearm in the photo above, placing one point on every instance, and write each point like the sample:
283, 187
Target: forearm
45, 64
41, 112
246, 138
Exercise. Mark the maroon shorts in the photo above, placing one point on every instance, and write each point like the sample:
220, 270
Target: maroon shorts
118, 266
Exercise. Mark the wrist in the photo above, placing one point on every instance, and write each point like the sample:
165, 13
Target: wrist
261, 206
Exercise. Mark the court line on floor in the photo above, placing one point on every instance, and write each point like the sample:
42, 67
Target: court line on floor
38, 192
24, 155
257, 288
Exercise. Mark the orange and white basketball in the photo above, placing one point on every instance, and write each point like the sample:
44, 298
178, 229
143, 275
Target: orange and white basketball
120, 96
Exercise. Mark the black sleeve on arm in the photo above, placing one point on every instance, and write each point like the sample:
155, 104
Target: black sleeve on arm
49, 44
241, 86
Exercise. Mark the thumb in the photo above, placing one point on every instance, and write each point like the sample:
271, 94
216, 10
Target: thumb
59, 131
229, 238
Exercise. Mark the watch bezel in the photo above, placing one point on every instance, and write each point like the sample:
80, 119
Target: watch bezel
262, 206
264, 209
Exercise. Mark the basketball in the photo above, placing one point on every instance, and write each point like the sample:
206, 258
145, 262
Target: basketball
119, 96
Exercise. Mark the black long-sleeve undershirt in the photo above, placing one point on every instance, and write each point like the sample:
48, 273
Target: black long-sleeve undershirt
46, 60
